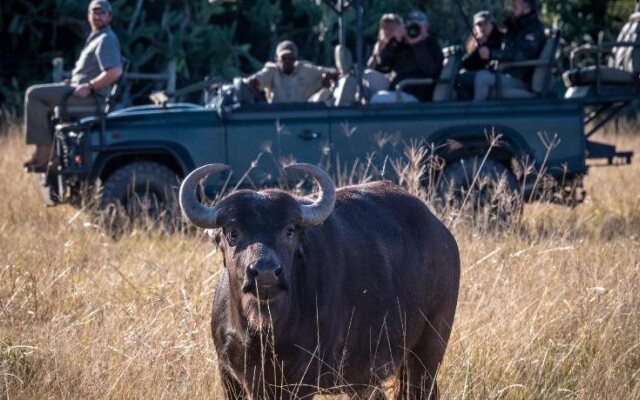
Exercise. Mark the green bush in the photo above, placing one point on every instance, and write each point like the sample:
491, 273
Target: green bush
231, 40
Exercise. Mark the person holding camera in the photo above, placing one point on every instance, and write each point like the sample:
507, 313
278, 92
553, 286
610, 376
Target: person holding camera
523, 40
404, 51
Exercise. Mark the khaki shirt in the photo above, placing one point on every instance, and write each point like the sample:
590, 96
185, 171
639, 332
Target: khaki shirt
302, 83
100, 53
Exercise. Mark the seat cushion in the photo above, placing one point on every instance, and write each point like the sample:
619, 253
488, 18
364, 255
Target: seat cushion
345, 91
81, 110
343, 59
76, 111
391, 96
513, 93
587, 76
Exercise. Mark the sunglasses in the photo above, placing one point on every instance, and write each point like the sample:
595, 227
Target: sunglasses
97, 11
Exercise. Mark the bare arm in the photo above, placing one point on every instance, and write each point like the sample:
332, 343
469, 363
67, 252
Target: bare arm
106, 78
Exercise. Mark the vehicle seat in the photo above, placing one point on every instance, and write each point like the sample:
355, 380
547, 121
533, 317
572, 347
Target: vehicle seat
79, 111
347, 86
542, 73
444, 89
622, 69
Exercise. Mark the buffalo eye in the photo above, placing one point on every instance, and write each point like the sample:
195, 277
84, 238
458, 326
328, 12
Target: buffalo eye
233, 235
290, 232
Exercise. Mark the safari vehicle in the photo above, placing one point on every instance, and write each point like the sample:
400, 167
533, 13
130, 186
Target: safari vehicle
143, 152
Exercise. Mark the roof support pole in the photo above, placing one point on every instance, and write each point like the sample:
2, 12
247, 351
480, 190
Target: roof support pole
359, 6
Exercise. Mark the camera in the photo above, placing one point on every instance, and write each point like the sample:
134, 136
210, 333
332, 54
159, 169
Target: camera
413, 30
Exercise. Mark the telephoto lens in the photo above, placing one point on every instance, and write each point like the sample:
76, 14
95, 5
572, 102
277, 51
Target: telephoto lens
413, 30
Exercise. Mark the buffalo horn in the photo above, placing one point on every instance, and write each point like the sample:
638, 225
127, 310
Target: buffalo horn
194, 212
315, 213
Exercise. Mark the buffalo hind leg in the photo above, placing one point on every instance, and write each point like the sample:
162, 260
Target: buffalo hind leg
373, 393
233, 390
418, 374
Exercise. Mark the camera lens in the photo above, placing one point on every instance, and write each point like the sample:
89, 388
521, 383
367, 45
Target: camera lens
413, 30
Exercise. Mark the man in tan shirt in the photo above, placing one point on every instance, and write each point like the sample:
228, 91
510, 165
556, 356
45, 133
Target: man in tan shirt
289, 80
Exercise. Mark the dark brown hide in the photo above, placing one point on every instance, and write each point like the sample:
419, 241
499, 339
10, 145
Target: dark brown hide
368, 295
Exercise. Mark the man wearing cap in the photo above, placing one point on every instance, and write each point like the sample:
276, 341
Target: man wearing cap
97, 68
523, 41
290, 80
407, 51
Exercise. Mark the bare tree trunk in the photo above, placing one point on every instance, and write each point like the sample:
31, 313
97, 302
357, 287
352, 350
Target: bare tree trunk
134, 18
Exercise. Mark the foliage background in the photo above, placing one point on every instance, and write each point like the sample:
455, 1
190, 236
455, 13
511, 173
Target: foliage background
232, 40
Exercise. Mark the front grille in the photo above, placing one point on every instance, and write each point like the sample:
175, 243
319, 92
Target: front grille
69, 146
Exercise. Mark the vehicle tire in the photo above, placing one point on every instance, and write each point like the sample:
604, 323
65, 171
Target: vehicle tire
489, 194
140, 192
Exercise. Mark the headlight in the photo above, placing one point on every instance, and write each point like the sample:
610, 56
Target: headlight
70, 145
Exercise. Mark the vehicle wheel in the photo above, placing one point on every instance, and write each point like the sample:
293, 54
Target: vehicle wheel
140, 192
490, 193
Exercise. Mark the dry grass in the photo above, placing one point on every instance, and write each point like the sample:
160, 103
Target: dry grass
549, 309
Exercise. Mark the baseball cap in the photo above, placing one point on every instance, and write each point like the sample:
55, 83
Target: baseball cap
104, 4
482, 16
417, 16
285, 47
391, 17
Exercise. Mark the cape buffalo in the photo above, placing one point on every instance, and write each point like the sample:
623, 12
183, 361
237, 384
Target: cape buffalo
354, 292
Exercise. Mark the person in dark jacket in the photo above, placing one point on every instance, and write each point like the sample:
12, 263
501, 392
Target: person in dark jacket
524, 40
485, 33
400, 55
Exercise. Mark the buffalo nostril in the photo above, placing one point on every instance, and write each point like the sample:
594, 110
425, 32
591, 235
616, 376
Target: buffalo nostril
277, 271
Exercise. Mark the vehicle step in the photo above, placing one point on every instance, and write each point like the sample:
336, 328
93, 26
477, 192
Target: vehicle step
597, 150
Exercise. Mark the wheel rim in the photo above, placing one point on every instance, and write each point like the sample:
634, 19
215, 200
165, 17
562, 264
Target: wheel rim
146, 202
491, 189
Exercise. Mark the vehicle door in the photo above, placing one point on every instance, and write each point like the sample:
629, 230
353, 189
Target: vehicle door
368, 141
263, 138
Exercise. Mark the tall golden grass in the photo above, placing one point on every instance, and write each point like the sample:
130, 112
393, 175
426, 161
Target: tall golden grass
548, 309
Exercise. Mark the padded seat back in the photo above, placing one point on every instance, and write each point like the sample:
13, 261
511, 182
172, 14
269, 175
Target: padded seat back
343, 59
627, 58
344, 93
450, 68
84, 110
541, 78
117, 87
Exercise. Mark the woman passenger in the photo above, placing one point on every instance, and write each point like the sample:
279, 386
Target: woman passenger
485, 33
